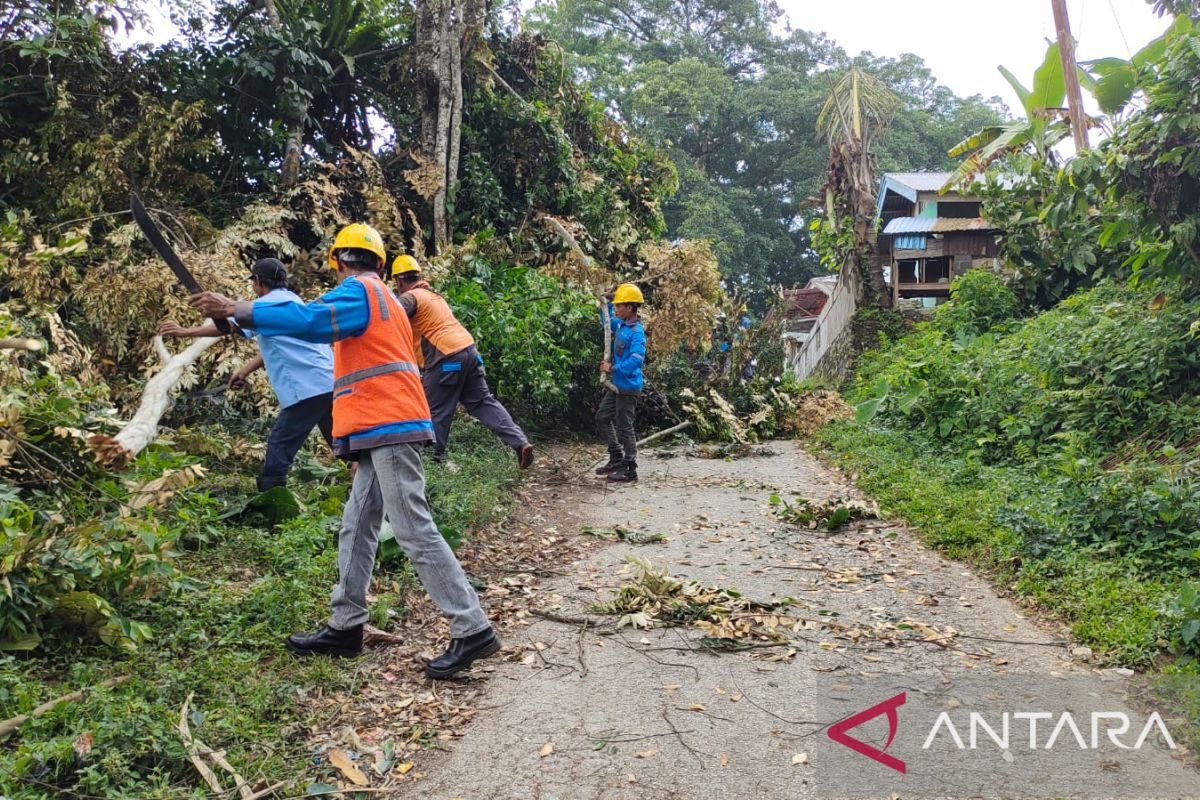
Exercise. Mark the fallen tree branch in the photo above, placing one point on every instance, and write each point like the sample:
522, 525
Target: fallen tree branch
667, 432
141, 430
32, 345
605, 320
572, 620
195, 748
10, 725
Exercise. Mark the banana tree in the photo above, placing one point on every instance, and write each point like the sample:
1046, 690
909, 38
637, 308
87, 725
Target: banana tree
1045, 124
310, 70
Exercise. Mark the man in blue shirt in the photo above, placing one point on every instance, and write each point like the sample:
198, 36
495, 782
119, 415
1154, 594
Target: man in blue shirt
301, 374
614, 418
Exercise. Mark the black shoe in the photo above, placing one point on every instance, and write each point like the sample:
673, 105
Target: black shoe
462, 652
327, 642
625, 473
614, 460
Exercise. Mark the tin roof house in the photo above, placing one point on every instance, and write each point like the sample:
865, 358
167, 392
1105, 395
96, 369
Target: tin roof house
929, 238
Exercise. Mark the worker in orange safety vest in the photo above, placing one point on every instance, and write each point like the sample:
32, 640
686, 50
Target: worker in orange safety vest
453, 369
381, 421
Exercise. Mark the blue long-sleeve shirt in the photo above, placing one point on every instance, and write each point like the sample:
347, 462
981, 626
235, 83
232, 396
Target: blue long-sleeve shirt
339, 313
629, 353
298, 369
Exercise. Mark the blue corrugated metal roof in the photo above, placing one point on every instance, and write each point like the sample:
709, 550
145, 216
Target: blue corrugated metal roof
940, 225
907, 184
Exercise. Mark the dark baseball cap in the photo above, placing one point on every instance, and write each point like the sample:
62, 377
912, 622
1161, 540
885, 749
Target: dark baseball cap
270, 269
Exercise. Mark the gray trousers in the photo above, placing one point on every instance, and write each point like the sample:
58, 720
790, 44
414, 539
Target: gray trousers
614, 422
460, 378
391, 479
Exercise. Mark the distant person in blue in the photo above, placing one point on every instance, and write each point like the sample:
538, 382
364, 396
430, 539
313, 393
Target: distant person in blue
615, 417
301, 374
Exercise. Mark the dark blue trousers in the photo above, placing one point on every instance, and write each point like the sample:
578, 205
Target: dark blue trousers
292, 427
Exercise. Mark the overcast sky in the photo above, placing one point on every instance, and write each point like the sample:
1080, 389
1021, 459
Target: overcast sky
963, 41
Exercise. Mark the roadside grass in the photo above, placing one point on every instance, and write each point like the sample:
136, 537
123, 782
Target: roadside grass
219, 635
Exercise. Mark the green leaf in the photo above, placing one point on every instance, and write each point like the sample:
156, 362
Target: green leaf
1049, 85
21, 641
866, 410
1018, 87
389, 548
1115, 89
316, 789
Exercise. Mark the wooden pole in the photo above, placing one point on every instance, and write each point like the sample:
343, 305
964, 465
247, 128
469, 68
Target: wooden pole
1066, 49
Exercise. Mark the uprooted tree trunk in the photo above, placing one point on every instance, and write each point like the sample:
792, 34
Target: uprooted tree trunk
141, 430
448, 31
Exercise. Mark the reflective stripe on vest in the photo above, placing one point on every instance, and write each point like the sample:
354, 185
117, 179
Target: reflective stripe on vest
371, 372
378, 397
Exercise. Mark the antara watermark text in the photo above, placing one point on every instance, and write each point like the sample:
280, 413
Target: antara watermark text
1041, 729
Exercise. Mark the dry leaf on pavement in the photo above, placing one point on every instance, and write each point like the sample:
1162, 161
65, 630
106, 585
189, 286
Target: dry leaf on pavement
341, 760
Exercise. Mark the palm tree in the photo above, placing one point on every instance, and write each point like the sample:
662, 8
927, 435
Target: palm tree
328, 50
859, 109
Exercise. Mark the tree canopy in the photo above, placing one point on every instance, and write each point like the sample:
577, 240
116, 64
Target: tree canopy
732, 93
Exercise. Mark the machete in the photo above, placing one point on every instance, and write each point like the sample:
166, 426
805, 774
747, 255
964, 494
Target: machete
142, 218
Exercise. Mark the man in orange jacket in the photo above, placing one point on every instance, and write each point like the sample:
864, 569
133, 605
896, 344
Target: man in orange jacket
380, 420
453, 367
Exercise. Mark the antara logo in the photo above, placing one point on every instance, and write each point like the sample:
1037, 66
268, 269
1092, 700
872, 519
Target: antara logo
1113, 724
838, 732
1107, 728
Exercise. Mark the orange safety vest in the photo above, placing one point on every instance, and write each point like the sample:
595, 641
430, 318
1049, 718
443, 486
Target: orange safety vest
435, 323
377, 394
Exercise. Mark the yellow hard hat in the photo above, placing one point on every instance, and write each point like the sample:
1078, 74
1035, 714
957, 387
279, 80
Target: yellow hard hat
405, 263
358, 236
628, 293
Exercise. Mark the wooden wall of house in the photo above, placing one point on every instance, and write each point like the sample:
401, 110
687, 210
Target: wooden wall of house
978, 245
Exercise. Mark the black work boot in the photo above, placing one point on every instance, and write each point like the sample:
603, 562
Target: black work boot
625, 473
615, 459
327, 642
462, 652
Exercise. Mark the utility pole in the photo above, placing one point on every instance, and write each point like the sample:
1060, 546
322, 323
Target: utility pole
1066, 49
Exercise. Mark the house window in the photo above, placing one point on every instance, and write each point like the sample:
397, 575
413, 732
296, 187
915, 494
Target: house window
908, 269
958, 210
937, 270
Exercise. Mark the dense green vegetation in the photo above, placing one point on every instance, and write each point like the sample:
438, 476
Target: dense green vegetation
1056, 450
1058, 447
237, 588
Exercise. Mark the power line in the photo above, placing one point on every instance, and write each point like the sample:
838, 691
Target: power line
1120, 30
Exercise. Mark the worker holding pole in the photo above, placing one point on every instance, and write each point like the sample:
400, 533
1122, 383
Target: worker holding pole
618, 406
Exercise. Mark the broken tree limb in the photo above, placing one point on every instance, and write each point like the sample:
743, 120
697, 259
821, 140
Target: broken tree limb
561, 231
142, 429
10, 725
193, 752
667, 432
196, 748
32, 345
